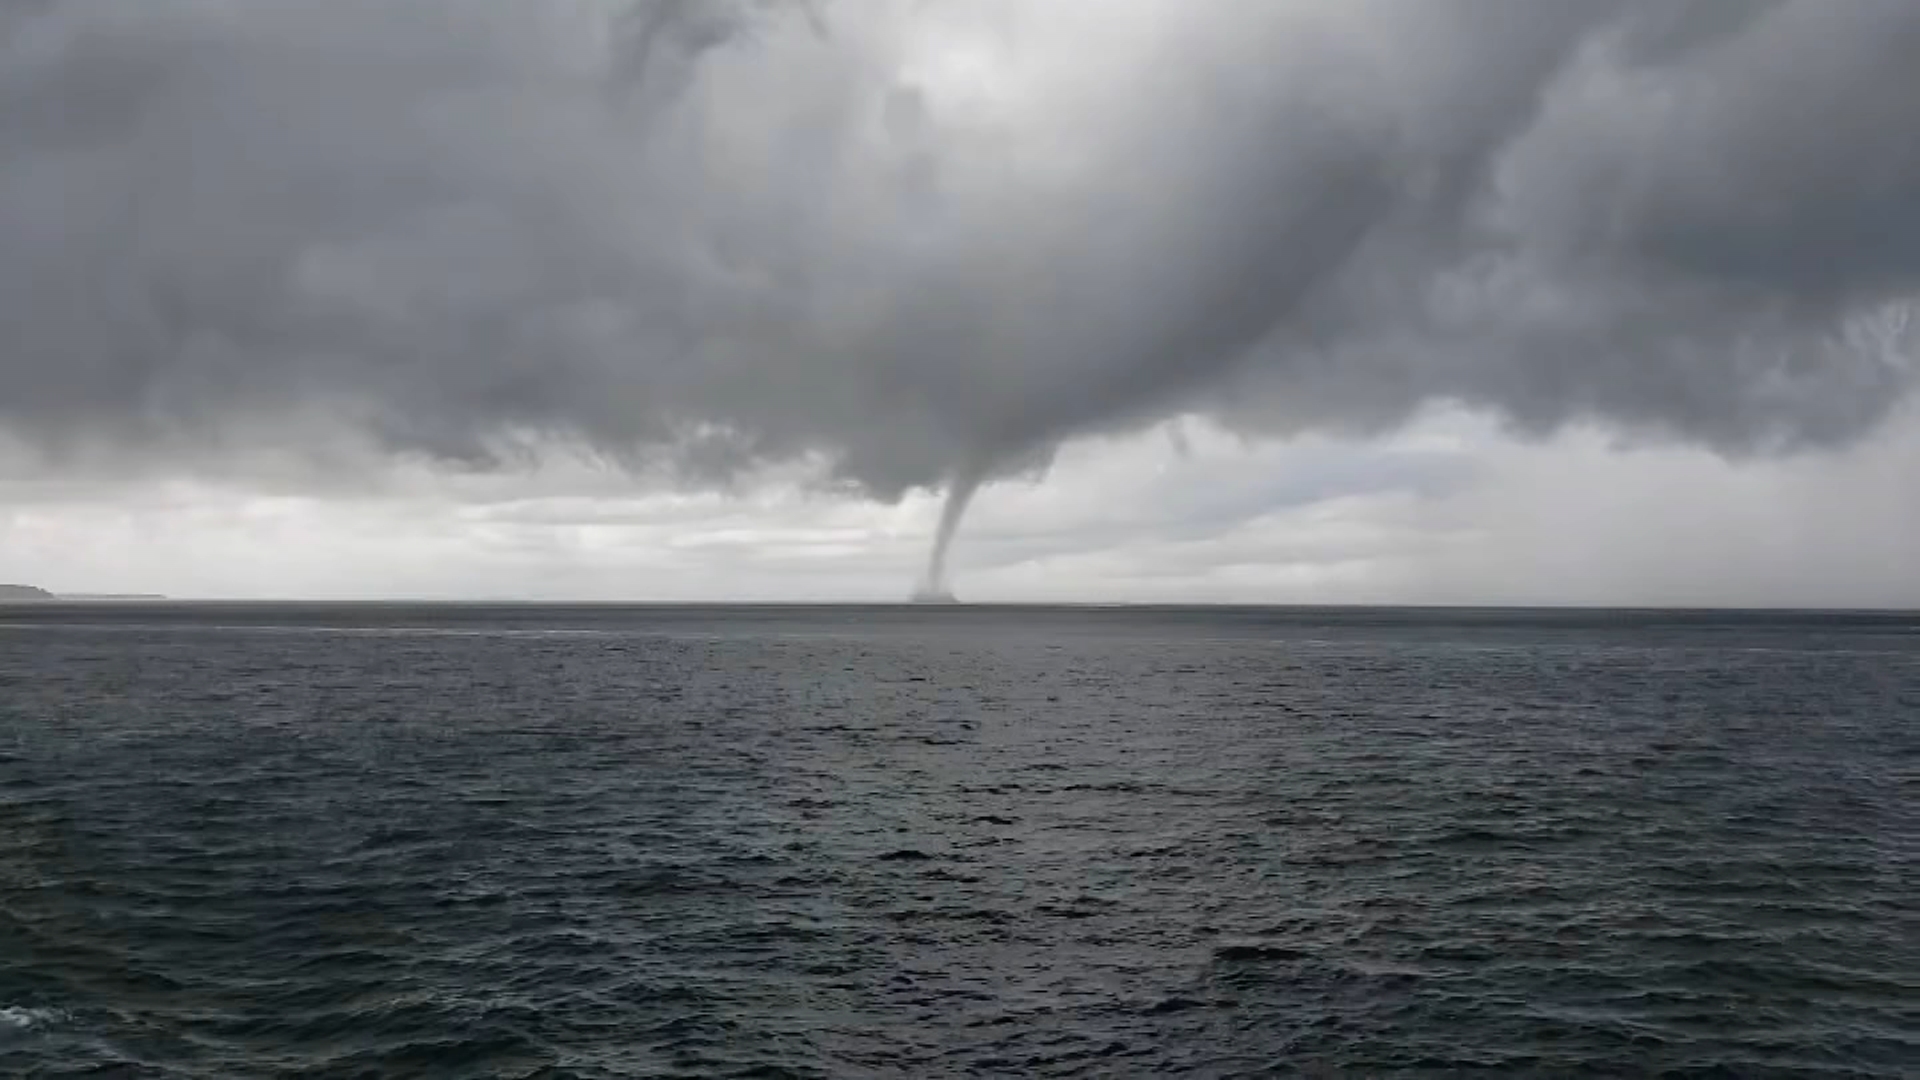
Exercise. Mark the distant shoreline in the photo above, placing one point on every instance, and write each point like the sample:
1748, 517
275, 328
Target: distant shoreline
36, 595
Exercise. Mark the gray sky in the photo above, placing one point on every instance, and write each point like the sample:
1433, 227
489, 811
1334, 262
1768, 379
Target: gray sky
1589, 301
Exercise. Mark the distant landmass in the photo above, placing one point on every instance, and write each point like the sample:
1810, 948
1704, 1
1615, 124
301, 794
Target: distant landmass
34, 592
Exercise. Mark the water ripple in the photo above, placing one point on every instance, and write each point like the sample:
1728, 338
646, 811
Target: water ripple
590, 843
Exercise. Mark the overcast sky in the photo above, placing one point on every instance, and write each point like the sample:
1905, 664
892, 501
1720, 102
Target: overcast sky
1454, 301
1447, 511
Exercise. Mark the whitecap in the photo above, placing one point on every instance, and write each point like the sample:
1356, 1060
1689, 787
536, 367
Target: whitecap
15, 1019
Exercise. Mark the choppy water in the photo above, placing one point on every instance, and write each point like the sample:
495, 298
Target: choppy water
391, 841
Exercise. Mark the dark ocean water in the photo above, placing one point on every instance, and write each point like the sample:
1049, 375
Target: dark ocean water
893, 842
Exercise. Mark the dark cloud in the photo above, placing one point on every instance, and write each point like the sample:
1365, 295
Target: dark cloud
713, 233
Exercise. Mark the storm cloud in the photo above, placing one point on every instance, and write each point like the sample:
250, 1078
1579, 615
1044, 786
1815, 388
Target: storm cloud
925, 244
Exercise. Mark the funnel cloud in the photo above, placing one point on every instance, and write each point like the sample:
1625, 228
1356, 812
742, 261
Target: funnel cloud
924, 245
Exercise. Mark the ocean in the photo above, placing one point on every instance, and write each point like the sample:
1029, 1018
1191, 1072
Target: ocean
973, 841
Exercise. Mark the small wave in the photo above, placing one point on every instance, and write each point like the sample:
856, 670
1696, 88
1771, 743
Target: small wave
1255, 951
16, 1018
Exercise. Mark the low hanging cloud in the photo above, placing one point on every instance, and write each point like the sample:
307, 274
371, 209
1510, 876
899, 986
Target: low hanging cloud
925, 244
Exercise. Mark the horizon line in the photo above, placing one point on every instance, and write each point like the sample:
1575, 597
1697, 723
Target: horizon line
156, 599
